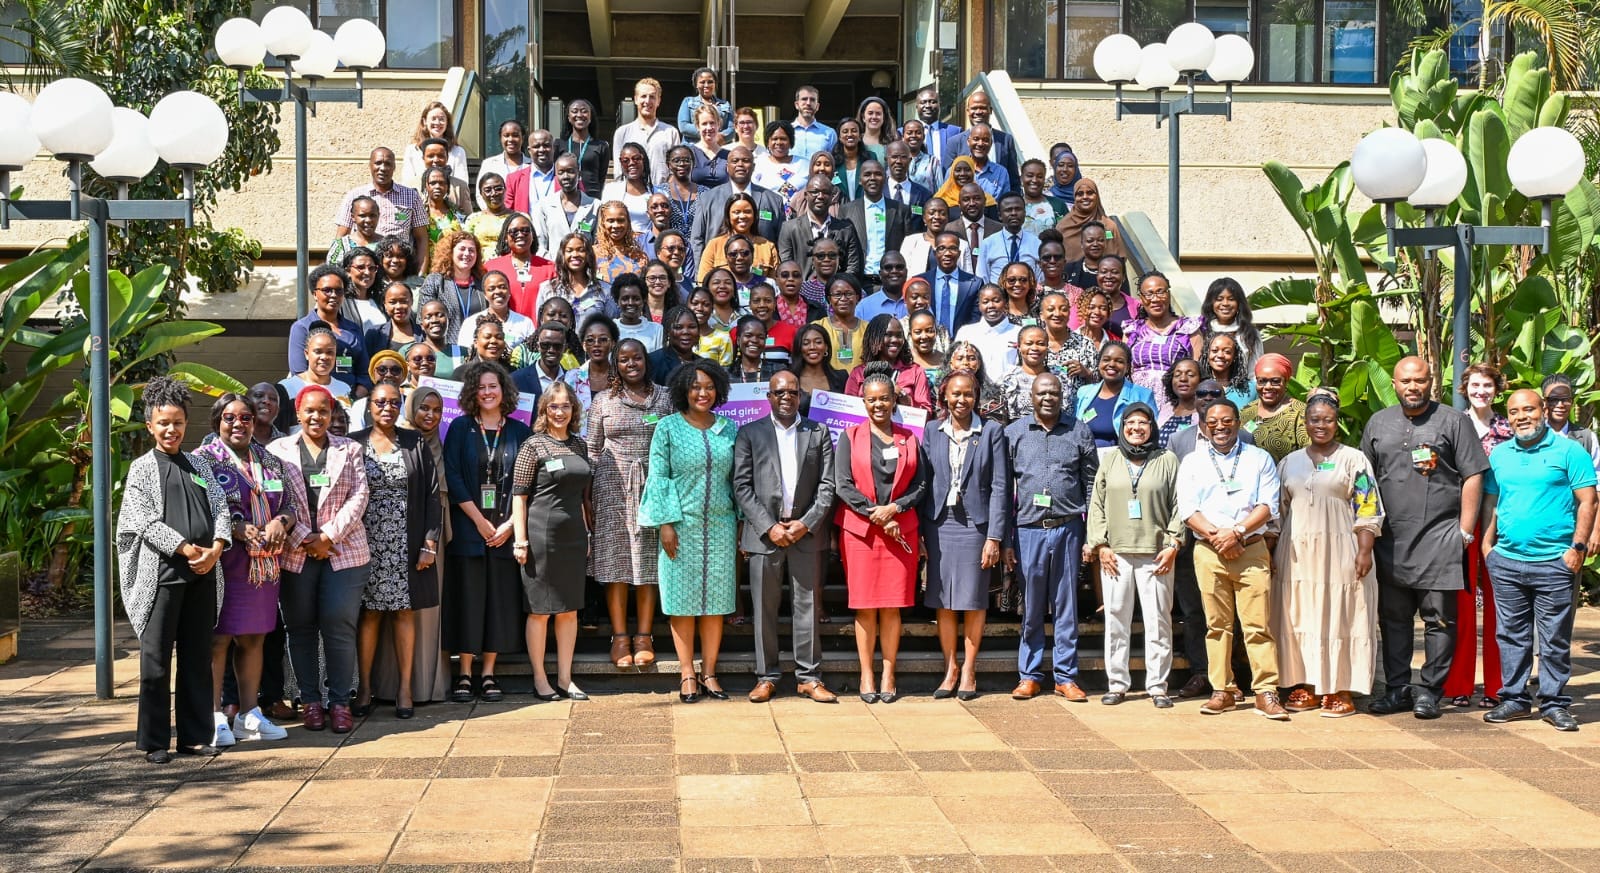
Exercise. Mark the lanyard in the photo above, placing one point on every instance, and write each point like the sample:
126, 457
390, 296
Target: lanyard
1137, 473
579, 152
461, 299
1237, 454
491, 451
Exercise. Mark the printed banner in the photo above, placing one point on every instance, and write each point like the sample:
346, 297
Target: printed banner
450, 391
747, 402
839, 411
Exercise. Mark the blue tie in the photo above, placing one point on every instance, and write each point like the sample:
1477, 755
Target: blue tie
944, 304
1014, 252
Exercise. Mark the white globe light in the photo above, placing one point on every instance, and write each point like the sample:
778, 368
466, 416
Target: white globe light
1190, 47
188, 129
360, 44
18, 145
239, 43
1545, 162
72, 117
1388, 164
1116, 58
1446, 176
1233, 59
130, 155
320, 58
1155, 68
287, 31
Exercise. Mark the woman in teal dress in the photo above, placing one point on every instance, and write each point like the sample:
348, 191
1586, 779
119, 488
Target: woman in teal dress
688, 496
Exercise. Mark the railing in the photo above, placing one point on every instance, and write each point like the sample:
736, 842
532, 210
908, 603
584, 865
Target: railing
1009, 115
1147, 251
462, 92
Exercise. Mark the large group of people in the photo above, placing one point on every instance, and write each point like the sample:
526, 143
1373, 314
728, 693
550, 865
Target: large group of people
395, 514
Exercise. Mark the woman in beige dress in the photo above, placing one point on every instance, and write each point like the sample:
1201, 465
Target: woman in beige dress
1325, 594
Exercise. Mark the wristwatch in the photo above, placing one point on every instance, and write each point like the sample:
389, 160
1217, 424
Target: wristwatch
1240, 530
1581, 548
1467, 538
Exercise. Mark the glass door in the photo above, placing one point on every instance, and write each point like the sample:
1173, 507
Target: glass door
512, 65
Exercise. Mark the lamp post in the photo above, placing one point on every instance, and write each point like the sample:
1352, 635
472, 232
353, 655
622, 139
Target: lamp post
309, 54
1391, 164
1189, 52
75, 121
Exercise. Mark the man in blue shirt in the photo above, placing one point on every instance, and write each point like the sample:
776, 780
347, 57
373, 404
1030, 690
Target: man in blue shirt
1538, 497
810, 135
1014, 242
1054, 462
890, 297
955, 291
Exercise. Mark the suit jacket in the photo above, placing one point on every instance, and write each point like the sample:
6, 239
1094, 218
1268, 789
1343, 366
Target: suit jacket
758, 482
897, 225
916, 196
967, 286
985, 479
713, 205
424, 516
340, 506
550, 222
1003, 152
972, 257
794, 243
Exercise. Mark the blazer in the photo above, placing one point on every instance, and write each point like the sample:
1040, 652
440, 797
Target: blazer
550, 223
985, 479
424, 516
713, 203
144, 538
339, 507
1002, 152
758, 483
524, 295
897, 221
854, 479
916, 196
794, 243
958, 225
967, 287
1129, 395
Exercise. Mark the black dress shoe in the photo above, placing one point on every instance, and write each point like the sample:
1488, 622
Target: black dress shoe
572, 692
1161, 701
1112, 698
888, 696
1398, 700
1560, 719
1507, 711
207, 751
943, 693
405, 711
1426, 707
967, 695
869, 697
361, 710
1197, 686
716, 693
158, 756
547, 698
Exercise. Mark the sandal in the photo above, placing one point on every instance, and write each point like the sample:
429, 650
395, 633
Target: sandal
717, 692
462, 693
644, 652
489, 690
1463, 700
621, 655
1337, 705
691, 696
1488, 702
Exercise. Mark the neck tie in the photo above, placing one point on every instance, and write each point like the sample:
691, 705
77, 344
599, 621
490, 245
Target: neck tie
944, 303
900, 191
972, 248
1014, 247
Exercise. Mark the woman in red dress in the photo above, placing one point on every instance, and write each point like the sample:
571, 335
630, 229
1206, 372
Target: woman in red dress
882, 476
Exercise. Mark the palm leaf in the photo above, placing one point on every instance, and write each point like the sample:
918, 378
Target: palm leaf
1559, 27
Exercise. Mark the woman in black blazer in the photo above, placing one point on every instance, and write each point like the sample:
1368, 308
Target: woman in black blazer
967, 513
403, 519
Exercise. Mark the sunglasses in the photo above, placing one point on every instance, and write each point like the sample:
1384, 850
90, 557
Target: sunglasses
390, 368
1208, 395
784, 392
230, 418
424, 359
387, 403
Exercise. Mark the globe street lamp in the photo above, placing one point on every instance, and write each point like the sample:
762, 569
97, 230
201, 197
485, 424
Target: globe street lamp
1391, 165
311, 55
75, 121
1189, 52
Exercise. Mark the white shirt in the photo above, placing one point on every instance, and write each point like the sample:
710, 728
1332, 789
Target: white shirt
1203, 484
646, 331
498, 165
788, 460
995, 253
657, 141
782, 178
997, 343
875, 234
517, 327
959, 449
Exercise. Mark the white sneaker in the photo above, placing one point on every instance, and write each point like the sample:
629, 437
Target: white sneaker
253, 725
221, 736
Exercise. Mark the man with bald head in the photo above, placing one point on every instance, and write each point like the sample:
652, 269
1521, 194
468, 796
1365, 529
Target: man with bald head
1430, 464
1539, 506
401, 210
803, 231
1003, 148
973, 225
713, 207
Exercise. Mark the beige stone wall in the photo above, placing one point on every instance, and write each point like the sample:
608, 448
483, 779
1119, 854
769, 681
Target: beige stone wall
1229, 212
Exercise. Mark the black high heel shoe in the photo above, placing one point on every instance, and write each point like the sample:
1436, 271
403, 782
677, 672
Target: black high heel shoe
718, 693
690, 696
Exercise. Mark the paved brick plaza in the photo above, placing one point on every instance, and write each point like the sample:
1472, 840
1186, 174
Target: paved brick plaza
637, 782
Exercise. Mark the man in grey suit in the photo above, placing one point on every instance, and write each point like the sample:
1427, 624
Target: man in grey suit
713, 205
800, 233
783, 465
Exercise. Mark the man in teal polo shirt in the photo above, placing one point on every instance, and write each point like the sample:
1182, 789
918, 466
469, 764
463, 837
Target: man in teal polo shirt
1540, 493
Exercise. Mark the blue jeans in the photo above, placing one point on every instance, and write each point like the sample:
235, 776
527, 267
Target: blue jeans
320, 602
1047, 562
1529, 595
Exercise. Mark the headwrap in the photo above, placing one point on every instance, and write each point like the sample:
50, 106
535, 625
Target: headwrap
1071, 224
950, 191
1150, 447
1273, 359
380, 357
905, 290
1065, 191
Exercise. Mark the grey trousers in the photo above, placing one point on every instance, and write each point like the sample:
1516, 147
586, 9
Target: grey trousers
802, 569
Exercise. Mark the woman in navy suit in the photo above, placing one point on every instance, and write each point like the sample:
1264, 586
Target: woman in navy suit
966, 514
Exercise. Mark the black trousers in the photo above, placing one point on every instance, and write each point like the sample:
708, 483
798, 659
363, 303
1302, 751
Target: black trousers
183, 618
1398, 609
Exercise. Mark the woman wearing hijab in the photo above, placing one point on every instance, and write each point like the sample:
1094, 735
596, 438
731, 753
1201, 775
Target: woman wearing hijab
962, 170
1086, 207
1067, 173
1135, 532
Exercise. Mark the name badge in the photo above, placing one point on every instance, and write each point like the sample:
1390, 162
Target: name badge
916, 210
1029, 321
486, 497
1041, 500
319, 480
652, 418
554, 465
877, 216
403, 216
1135, 511
744, 297
847, 354
586, 226
344, 362
1161, 339
273, 486
892, 453
772, 341
1233, 486
1421, 456
766, 214
198, 479
1325, 467
1254, 423
1089, 415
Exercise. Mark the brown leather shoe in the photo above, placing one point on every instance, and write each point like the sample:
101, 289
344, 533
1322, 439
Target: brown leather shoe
1027, 689
763, 691
1071, 692
341, 719
621, 654
1301, 699
817, 692
1220, 702
315, 718
644, 650
1197, 686
1267, 705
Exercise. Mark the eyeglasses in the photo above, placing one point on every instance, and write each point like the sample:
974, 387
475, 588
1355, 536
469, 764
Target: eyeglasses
494, 189
519, 231
1208, 395
1269, 380
388, 403
1051, 258
1563, 399
783, 392
830, 255
395, 369
230, 418
424, 359
947, 248
842, 295
596, 340
657, 279
558, 407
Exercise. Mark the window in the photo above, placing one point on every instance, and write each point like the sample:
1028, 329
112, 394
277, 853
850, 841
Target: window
1088, 22
14, 43
1286, 46
1350, 42
421, 34
1024, 49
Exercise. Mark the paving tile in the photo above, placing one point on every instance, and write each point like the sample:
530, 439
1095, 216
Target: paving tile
445, 847
696, 814
1233, 862
880, 761
823, 762
200, 852
797, 842
875, 809
273, 849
